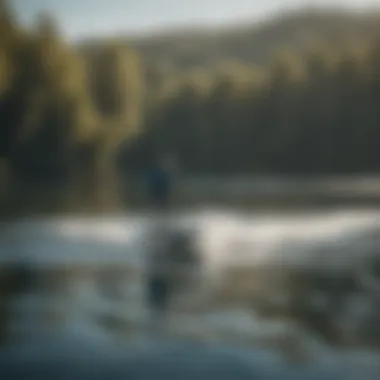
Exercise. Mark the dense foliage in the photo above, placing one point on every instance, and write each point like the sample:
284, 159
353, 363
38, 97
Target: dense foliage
305, 108
59, 111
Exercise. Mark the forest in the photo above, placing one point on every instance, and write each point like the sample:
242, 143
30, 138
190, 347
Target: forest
295, 95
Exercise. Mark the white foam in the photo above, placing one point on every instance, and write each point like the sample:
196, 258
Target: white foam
335, 239
223, 237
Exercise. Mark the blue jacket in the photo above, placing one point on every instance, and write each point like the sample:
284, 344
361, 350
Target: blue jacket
159, 184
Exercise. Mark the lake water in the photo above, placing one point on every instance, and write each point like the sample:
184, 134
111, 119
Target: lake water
300, 288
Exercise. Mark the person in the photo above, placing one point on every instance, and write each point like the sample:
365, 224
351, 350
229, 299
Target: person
160, 183
158, 294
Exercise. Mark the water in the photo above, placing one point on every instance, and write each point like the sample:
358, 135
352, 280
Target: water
282, 289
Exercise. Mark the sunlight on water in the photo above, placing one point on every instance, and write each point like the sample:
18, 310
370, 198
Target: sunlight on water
224, 236
97, 290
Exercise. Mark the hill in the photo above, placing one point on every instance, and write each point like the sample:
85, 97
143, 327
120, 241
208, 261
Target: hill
254, 42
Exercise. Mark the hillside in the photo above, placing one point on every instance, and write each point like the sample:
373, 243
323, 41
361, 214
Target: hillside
255, 42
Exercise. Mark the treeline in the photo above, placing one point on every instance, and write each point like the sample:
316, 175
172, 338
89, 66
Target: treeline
318, 114
63, 116
71, 113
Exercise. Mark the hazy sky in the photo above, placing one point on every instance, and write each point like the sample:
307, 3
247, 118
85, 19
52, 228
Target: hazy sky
81, 18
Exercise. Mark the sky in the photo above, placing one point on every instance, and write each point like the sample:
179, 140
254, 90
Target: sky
86, 18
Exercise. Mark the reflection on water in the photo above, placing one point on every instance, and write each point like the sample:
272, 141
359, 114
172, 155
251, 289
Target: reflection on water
237, 192
304, 287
